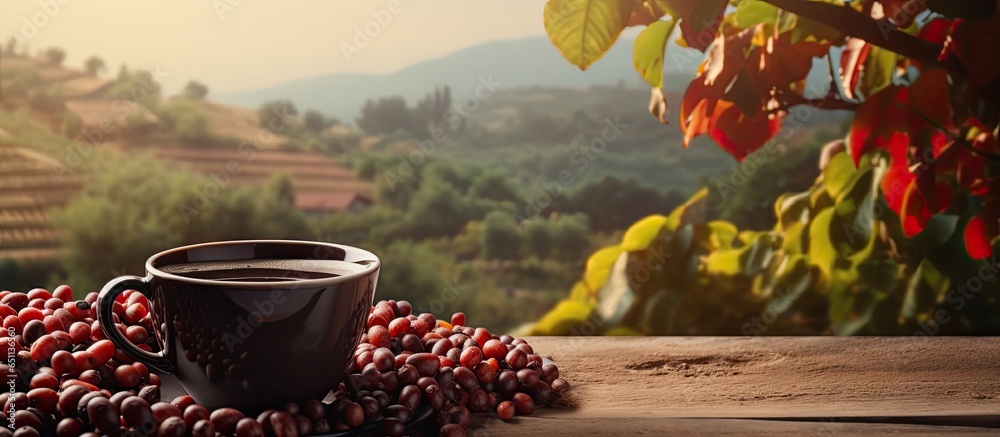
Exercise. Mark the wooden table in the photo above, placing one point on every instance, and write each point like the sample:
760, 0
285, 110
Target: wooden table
793, 386
767, 386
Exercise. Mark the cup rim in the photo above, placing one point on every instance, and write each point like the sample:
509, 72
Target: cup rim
360, 254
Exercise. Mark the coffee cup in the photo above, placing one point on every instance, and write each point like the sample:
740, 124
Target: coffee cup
250, 324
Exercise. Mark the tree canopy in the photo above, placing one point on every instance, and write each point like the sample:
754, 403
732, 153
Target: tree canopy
891, 230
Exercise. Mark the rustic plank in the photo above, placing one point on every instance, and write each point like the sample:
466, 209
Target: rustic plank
719, 385
762, 386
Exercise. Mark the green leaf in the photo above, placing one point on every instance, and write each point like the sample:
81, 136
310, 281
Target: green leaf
722, 234
659, 312
852, 326
750, 13
599, 266
856, 204
648, 51
938, 230
879, 273
748, 260
759, 254
803, 29
924, 287
822, 252
879, 69
616, 296
793, 235
725, 262
792, 209
622, 331
642, 233
579, 292
747, 237
837, 174
583, 30
692, 211
563, 318
792, 280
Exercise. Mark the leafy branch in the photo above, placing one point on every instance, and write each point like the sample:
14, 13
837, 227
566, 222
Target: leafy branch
881, 33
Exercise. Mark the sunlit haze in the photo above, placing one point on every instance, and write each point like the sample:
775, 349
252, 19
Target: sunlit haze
240, 44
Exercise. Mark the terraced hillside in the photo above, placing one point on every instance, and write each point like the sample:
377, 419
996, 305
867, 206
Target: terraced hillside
310, 172
30, 189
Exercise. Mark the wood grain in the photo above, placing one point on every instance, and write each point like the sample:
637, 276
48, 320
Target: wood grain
768, 385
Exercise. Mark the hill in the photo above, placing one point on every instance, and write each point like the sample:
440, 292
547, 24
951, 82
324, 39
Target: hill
527, 62
38, 153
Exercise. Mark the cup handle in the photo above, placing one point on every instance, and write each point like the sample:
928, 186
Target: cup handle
105, 306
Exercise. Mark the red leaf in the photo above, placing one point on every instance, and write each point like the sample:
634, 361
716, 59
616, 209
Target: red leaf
876, 120
701, 113
918, 207
978, 238
726, 59
975, 43
851, 59
913, 213
935, 31
782, 64
700, 20
929, 97
968, 169
740, 135
642, 15
898, 177
903, 12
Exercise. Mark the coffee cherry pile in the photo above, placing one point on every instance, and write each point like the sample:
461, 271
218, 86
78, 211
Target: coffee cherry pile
66, 379
407, 360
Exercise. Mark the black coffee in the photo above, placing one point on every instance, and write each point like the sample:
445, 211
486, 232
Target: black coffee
263, 270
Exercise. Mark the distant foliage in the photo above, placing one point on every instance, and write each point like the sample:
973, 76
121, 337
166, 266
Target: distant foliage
48, 100
195, 90
187, 119
55, 56
94, 65
385, 115
276, 113
145, 205
884, 240
613, 203
432, 117
501, 238
314, 121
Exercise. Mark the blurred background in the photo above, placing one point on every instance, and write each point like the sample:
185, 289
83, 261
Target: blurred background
451, 139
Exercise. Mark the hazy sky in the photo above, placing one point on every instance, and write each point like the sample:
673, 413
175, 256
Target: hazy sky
240, 44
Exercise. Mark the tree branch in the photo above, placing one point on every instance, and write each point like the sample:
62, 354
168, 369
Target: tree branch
830, 104
879, 33
831, 101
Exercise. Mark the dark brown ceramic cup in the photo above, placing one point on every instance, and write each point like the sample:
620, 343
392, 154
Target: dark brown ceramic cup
251, 342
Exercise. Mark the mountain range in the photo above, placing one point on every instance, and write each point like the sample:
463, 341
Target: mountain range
528, 62
509, 64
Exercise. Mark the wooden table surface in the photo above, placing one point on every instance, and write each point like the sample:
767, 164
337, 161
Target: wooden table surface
792, 386
768, 386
